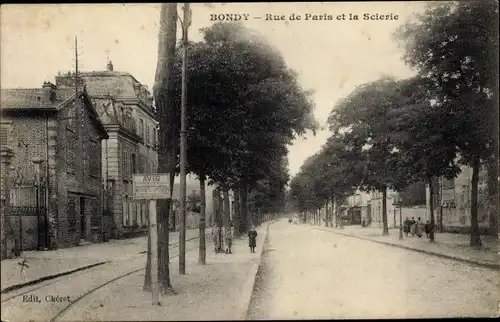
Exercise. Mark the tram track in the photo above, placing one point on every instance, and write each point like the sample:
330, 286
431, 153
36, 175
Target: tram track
123, 268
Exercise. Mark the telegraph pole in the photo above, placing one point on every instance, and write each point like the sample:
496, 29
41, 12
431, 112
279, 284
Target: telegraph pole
76, 67
183, 144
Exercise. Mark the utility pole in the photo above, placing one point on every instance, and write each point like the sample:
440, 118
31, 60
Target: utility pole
76, 67
183, 144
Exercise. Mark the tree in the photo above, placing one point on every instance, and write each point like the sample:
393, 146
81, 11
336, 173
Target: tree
455, 46
168, 142
245, 107
426, 147
362, 119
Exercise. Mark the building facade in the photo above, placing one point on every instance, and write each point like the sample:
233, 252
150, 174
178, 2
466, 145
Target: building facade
452, 201
126, 109
51, 160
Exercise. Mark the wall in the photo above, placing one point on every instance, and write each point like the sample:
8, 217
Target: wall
376, 209
78, 139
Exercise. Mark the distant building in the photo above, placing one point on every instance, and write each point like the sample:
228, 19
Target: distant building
62, 133
192, 218
126, 109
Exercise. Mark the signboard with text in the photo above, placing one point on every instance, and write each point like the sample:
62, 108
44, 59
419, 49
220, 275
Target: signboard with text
151, 186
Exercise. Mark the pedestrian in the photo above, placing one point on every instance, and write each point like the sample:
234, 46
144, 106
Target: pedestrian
406, 226
216, 238
412, 226
228, 237
252, 235
427, 229
418, 227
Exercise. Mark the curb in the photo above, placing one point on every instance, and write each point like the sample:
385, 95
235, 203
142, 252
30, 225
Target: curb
49, 277
428, 252
249, 285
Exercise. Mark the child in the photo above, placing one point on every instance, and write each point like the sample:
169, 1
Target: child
252, 235
228, 237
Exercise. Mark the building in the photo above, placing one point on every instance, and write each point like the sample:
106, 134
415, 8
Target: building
375, 208
357, 208
125, 106
452, 201
51, 163
192, 217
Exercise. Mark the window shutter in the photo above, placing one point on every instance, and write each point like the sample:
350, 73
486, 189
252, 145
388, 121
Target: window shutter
4, 135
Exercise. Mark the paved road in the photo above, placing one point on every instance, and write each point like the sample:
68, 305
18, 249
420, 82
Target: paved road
313, 274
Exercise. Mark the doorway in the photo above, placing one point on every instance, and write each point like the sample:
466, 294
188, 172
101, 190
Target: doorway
83, 222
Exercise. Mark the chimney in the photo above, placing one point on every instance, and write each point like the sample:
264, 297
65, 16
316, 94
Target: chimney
110, 66
49, 91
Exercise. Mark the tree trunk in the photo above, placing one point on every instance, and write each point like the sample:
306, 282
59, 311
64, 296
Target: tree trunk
166, 157
327, 214
384, 212
493, 200
236, 218
202, 254
227, 213
219, 217
475, 238
493, 164
163, 247
147, 277
431, 203
243, 206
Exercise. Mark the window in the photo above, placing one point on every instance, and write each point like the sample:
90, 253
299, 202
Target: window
70, 151
4, 135
94, 159
152, 136
71, 214
124, 164
142, 133
133, 164
146, 136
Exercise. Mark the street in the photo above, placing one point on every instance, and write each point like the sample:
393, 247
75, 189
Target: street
51, 299
308, 273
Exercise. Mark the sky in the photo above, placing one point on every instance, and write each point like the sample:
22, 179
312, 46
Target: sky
331, 57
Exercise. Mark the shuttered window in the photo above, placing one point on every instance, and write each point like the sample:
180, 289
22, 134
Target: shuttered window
4, 135
94, 159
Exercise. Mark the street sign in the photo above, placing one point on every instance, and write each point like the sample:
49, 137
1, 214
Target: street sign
151, 186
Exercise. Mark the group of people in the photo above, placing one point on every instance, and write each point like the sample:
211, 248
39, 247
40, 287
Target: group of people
415, 227
227, 239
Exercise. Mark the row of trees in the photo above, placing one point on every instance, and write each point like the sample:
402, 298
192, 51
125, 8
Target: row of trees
244, 107
390, 133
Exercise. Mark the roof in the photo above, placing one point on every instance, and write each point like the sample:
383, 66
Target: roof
29, 98
109, 83
35, 99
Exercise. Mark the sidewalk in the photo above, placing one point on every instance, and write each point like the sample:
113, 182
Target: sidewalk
447, 245
220, 290
43, 265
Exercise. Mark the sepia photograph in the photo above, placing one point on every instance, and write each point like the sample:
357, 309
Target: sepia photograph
249, 161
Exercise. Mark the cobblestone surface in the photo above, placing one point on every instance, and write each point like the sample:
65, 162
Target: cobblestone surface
313, 274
